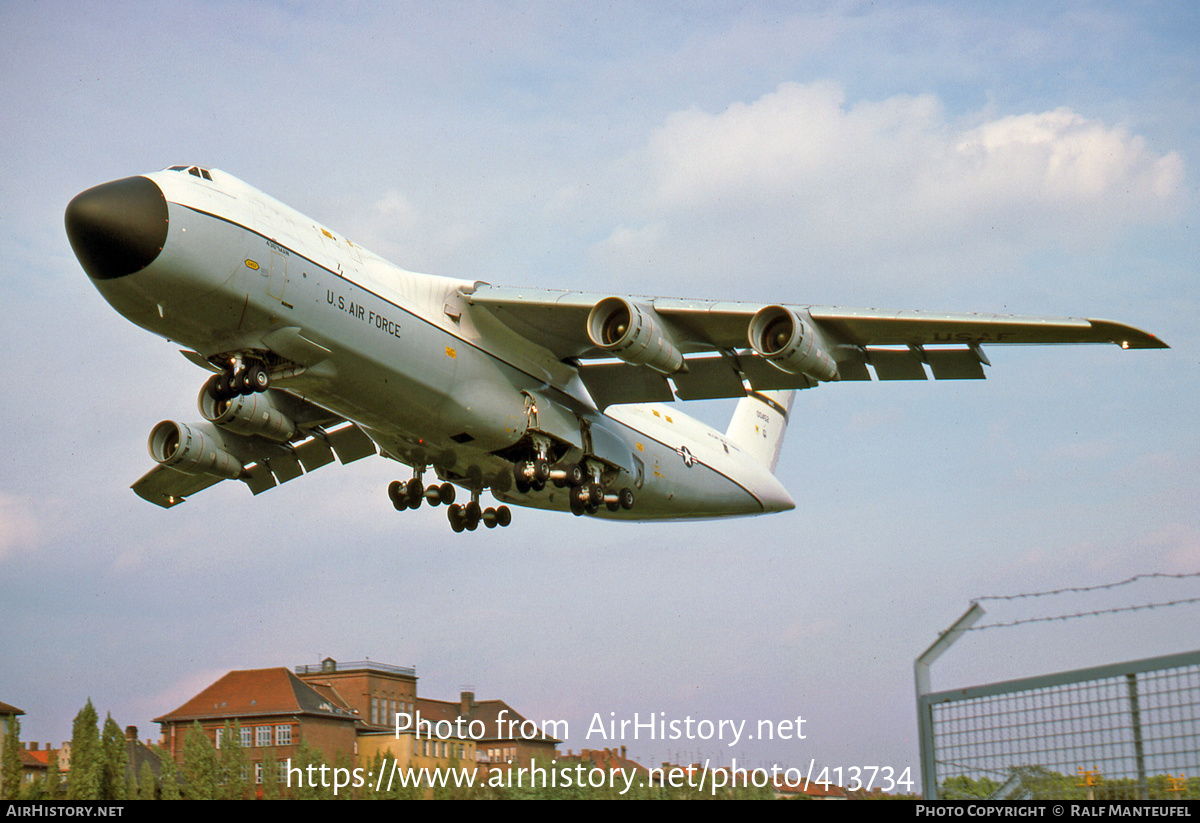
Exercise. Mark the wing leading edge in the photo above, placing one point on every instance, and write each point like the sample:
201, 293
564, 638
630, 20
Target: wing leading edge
720, 358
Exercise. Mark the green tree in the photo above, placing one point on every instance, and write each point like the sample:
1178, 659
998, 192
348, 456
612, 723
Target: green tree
169, 781
10, 760
270, 775
235, 778
53, 777
304, 788
147, 786
113, 761
83, 783
201, 768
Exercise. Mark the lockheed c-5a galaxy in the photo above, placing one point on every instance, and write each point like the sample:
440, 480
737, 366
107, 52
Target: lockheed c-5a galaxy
550, 399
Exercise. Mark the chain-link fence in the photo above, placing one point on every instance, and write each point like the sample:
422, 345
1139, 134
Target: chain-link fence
1124, 731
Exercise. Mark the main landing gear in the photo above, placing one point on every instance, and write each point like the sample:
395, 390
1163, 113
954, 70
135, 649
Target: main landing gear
587, 492
410, 495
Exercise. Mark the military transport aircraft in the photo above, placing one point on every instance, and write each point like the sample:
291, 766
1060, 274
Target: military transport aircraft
551, 399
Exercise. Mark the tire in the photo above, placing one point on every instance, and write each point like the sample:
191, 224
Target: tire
503, 516
398, 495
258, 379
223, 387
446, 493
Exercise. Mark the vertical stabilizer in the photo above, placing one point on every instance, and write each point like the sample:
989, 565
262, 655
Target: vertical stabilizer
759, 422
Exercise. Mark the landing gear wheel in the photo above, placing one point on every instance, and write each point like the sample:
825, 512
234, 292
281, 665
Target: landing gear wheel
257, 378
625, 498
521, 485
222, 388
519, 473
237, 384
612, 505
211, 387
576, 475
398, 494
489, 517
414, 493
541, 471
454, 515
472, 512
446, 492
577, 505
503, 516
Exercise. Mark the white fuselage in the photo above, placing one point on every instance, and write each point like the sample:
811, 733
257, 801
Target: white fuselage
433, 381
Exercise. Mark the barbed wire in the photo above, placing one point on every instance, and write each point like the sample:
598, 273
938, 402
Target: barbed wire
1084, 589
1086, 614
1077, 589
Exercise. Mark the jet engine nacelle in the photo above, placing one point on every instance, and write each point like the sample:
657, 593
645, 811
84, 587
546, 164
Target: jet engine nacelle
782, 337
248, 415
633, 333
190, 450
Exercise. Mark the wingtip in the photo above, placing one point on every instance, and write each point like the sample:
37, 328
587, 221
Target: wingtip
1128, 337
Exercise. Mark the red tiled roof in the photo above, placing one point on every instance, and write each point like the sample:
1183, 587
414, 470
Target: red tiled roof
31, 760
257, 692
486, 711
818, 790
611, 760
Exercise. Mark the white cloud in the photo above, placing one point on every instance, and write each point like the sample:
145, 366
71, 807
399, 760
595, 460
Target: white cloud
19, 527
801, 176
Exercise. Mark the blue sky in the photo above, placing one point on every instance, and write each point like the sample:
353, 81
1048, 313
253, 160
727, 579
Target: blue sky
1031, 158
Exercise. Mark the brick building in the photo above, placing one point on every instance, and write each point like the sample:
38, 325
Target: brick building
350, 709
274, 709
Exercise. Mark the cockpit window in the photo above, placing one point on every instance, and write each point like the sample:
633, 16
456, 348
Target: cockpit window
193, 170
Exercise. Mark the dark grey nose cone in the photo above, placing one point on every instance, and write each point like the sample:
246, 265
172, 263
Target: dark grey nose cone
118, 228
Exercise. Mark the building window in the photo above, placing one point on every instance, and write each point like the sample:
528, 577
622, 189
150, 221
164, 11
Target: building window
247, 737
283, 735
375, 711
220, 737
262, 736
258, 773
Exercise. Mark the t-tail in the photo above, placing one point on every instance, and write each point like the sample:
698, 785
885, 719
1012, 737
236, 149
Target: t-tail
759, 423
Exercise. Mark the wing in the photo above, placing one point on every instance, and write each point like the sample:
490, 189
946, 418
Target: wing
199, 455
637, 349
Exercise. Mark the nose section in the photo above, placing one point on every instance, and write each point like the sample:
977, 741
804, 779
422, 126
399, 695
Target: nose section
118, 228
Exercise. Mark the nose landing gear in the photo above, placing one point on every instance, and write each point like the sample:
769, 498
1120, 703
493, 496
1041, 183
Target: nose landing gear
234, 380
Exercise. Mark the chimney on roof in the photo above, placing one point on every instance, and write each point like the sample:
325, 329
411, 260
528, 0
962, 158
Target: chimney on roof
33, 746
466, 702
623, 753
131, 734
